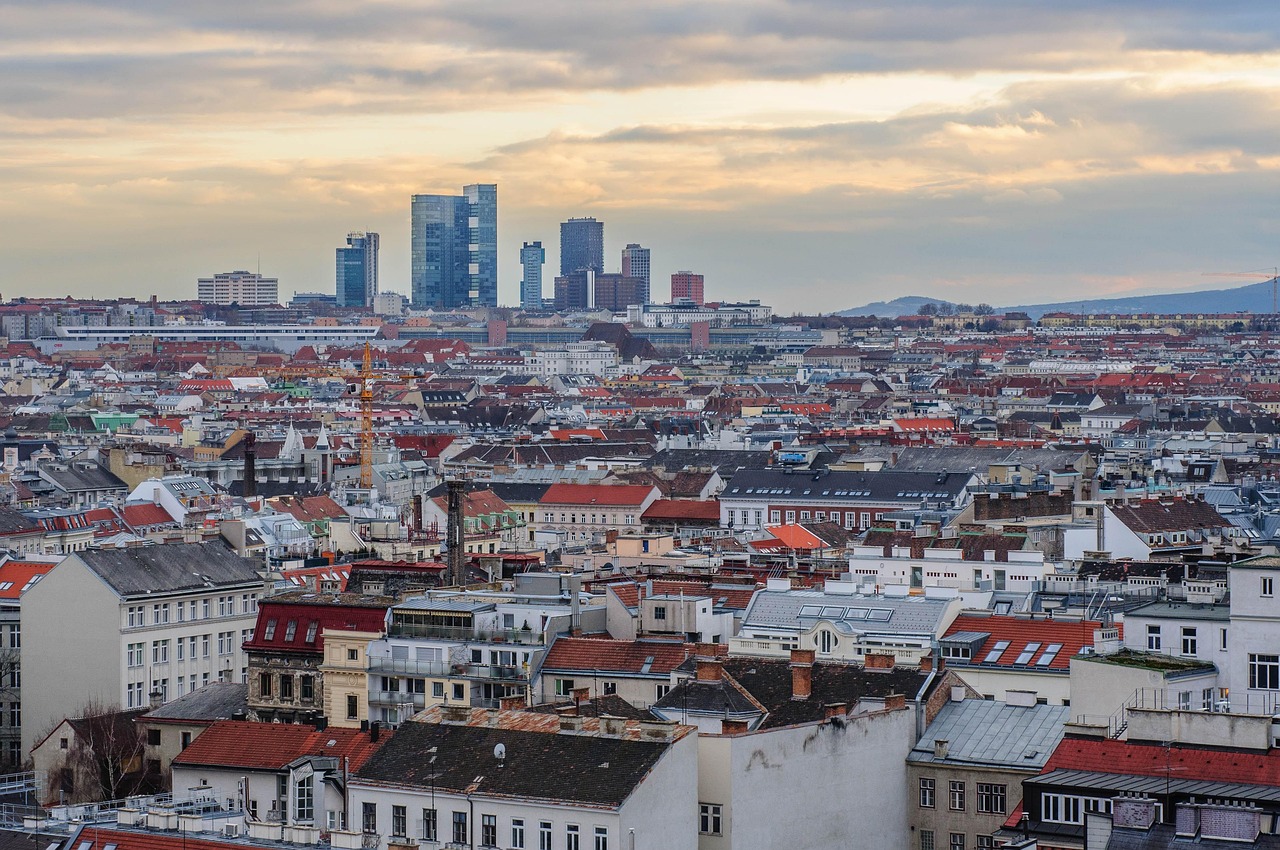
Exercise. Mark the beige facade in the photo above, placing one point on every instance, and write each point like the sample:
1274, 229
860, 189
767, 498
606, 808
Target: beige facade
969, 800
345, 671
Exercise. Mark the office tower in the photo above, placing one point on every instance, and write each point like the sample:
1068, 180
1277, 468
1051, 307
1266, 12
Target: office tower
687, 285
635, 263
248, 289
573, 291
581, 245
617, 292
454, 248
357, 272
532, 256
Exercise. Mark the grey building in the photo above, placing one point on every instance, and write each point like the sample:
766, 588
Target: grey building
357, 270
635, 263
454, 248
532, 258
581, 245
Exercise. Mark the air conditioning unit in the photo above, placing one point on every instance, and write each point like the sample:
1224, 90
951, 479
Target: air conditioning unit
231, 830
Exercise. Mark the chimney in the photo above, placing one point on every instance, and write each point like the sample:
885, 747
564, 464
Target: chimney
454, 714
958, 693
835, 709
322, 723
707, 664
514, 703
941, 748
895, 702
417, 513
375, 729
156, 698
733, 727
580, 696
250, 465
879, 661
1133, 812
927, 663
802, 673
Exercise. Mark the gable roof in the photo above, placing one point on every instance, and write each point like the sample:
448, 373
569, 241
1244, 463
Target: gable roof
605, 495
607, 656
172, 567
1020, 634
295, 621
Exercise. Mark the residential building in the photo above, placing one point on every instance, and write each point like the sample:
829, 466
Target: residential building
1252, 667
16, 577
345, 672
287, 775
581, 245
688, 286
532, 258
462, 777
357, 270
638, 671
585, 511
168, 730
286, 651
454, 249
964, 776
247, 289
635, 264
151, 620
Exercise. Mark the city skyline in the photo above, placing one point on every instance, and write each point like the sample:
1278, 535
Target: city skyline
983, 152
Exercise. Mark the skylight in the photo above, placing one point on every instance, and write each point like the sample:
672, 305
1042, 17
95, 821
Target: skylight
1050, 653
996, 651
1025, 656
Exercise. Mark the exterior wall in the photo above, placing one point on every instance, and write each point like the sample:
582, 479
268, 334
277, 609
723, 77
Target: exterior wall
1100, 688
941, 819
171, 741
1053, 687
814, 785
640, 691
1210, 644
61, 674
262, 789
344, 677
279, 668
1255, 619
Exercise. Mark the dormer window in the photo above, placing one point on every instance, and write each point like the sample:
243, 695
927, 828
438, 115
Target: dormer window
270, 632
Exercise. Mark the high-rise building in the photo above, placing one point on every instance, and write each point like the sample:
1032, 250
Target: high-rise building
581, 245
573, 290
617, 292
248, 289
532, 256
635, 263
357, 272
687, 285
454, 248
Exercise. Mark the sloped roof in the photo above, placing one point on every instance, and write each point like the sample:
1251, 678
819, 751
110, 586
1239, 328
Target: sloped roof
270, 746
172, 567
607, 656
15, 576
1021, 634
295, 621
1187, 763
1152, 515
605, 495
987, 732
682, 509
214, 701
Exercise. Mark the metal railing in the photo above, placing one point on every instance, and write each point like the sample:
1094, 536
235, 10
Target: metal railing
457, 669
525, 637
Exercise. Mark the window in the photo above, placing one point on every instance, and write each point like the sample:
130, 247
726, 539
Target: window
226, 606
308, 688
15, 637
204, 645
353, 654
1189, 642
663, 690
312, 627
571, 837
926, 839
955, 796
153, 737
775, 517
264, 684
1184, 700
428, 824
269, 633
459, 692
1222, 639
488, 830
181, 647
136, 616
185, 740
160, 652
957, 841
984, 842
135, 695
15, 714
304, 806
1060, 808
353, 707
191, 644
135, 655
460, 828
1264, 672
226, 643
927, 789
286, 687
709, 822
204, 608
544, 835
399, 821
991, 799
659, 612
564, 687
1268, 586
602, 838
369, 817
517, 834
826, 641
290, 630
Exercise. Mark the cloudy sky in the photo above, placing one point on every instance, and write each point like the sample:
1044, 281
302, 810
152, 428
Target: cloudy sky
816, 155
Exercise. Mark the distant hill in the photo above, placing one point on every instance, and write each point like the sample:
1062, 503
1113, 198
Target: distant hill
1254, 298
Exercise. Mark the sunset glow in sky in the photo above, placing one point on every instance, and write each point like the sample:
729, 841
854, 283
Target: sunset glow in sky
816, 155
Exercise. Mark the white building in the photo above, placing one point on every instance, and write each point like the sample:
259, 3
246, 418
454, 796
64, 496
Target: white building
112, 627
248, 289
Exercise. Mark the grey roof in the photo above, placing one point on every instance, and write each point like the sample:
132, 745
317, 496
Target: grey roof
1113, 783
81, 476
214, 701
801, 609
1164, 835
171, 567
423, 603
979, 731
908, 488
1182, 611
939, 458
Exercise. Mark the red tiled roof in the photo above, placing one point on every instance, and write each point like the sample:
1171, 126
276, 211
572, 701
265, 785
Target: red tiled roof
100, 838
144, 514
1210, 765
682, 509
18, 574
1020, 632
272, 633
270, 746
605, 655
596, 494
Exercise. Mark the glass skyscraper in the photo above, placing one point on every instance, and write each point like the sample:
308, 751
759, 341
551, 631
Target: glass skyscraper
454, 248
357, 272
581, 245
532, 257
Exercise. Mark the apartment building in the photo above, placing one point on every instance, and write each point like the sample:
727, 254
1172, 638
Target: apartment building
122, 627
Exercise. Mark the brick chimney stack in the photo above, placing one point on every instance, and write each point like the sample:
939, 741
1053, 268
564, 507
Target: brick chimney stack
707, 664
802, 673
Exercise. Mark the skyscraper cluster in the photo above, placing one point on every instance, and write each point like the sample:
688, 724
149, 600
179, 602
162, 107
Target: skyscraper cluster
454, 249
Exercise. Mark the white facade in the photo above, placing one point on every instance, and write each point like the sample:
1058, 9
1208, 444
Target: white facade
576, 358
241, 287
1021, 573
1252, 666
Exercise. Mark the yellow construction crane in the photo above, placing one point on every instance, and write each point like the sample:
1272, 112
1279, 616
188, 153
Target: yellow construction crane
1255, 274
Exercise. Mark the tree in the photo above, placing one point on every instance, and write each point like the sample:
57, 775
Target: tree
945, 309
928, 309
984, 310
964, 308
104, 758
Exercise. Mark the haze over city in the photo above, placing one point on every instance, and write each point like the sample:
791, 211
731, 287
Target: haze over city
839, 152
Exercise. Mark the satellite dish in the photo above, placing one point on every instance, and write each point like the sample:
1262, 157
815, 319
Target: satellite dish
500, 752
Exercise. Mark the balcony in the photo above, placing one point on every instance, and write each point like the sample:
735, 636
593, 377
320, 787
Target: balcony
525, 637
444, 669
397, 698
